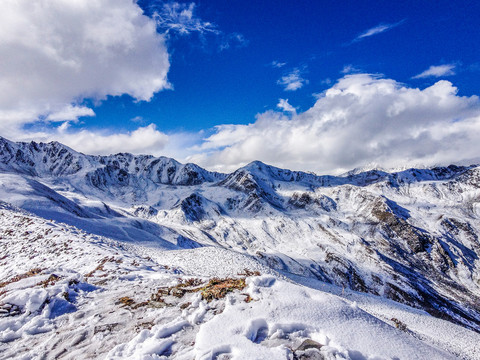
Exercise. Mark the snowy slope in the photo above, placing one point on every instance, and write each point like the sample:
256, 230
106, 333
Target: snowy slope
70, 306
409, 236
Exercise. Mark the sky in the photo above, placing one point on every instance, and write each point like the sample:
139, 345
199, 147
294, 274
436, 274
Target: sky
324, 86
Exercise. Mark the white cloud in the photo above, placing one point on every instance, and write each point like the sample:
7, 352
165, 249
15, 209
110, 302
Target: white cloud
285, 106
293, 80
349, 69
70, 112
380, 28
277, 64
137, 119
361, 119
54, 53
180, 18
177, 18
437, 71
234, 39
143, 140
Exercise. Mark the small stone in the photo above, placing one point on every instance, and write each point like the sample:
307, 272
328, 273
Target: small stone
309, 354
309, 344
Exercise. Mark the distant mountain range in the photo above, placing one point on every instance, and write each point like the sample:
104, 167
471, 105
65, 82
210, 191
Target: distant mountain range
411, 236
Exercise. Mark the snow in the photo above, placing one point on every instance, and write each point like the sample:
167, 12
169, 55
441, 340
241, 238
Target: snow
90, 323
88, 243
284, 314
458, 340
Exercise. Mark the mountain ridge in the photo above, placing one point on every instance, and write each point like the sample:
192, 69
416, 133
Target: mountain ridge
410, 236
198, 174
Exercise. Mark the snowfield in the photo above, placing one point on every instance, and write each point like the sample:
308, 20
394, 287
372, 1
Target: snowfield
137, 257
71, 307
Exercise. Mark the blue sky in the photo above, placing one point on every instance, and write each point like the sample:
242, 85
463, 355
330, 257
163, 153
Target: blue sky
209, 68
214, 87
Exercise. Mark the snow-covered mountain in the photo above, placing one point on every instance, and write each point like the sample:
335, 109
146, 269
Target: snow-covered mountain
379, 237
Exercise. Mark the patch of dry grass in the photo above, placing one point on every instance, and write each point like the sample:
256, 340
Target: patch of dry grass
100, 266
185, 305
248, 298
30, 273
144, 325
247, 273
399, 325
126, 301
219, 288
52, 280
214, 289
179, 290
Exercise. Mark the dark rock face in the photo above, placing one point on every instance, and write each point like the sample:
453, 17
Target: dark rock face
241, 180
144, 211
192, 207
187, 243
108, 176
395, 226
304, 200
244, 182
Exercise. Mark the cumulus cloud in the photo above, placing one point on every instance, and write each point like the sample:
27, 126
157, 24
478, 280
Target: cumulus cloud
380, 28
70, 112
285, 106
55, 53
437, 71
293, 80
361, 119
142, 140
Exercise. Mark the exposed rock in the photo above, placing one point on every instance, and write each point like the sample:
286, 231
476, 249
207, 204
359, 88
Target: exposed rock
309, 344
